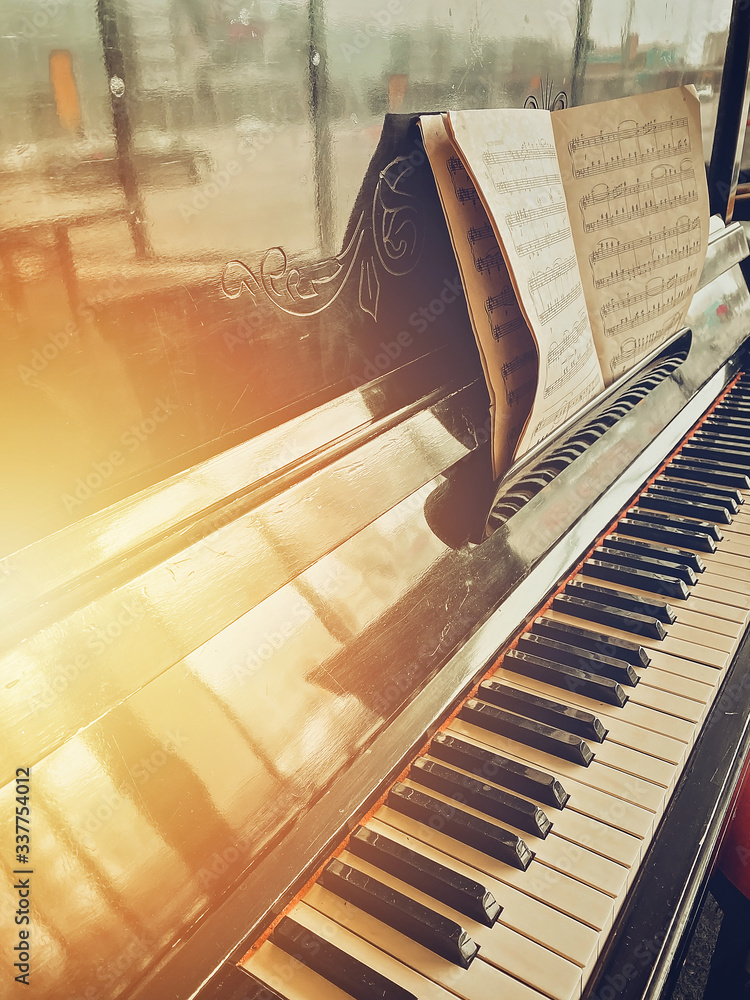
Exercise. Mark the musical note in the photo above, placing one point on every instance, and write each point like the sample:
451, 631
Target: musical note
541, 242
646, 253
492, 259
554, 288
454, 165
526, 215
514, 396
557, 349
500, 330
630, 145
464, 194
540, 150
508, 184
506, 297
568, 368
520, 361
477, 233
658, 297
635, 347
668, 189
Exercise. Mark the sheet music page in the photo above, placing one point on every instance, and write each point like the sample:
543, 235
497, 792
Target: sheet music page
511, 156
635, 183
507, 349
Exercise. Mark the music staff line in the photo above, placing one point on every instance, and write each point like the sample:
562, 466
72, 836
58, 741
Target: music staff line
687, 243
641, 210
569, 371
558, 349
510, 185
614, 277
631, 132
505, 297
542, 242
678, 285
630, 145
613, 248
514, 396
500, 330
520, 361
635, 347
526, 215
540, 150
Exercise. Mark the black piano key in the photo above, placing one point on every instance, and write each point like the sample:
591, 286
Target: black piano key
647, 563
462, 826
726, 500
676, 537
719, 439
727, 422
672, 521
444, 884
500, 770
621, 599
664, 553
617, 570
652, 500
333, 964
583, 659
597, 642
495, 802
723, 462
655, 561
740, 460
626, 621
534, 706
732, 406
553, 741
583, 682
432, 930
685, 470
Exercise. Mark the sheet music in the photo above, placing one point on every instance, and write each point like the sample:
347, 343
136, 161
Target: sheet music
506, 347
635, 186
511, 157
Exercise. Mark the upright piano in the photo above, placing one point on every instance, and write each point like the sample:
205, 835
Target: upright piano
297, 702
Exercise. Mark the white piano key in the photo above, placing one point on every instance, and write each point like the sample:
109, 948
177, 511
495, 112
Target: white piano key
574, 860
521, 912
687, 646
291, 978
632, 788
500, 945
295, 981
554, 888
726, 619
598, 804
620, 729
611, 843
477, 982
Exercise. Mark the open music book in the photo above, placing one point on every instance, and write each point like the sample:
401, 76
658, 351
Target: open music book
580, 236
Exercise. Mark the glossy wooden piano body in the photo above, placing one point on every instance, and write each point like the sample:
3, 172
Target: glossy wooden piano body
250, 582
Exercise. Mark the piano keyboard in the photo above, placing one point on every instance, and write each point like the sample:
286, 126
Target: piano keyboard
498, 863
